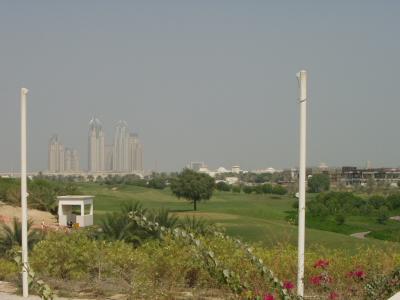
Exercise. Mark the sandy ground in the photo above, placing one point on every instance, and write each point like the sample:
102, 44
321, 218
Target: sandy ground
8, 212
360, 235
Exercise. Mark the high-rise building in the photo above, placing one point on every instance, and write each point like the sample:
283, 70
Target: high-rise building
135, 154
108, 157
67, 159
71, 161
96, 146
75, 161
120, 153
56, 155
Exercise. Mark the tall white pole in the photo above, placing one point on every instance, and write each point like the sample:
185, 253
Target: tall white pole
24, 195
302, 80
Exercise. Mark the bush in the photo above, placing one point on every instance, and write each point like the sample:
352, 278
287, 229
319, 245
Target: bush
223, 186
247, 189
383, 215
340, 218
267, 188
9, 270
279, 190
377, 201
319, 183
236, 189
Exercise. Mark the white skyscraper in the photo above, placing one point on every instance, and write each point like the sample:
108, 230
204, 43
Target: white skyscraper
96, 146
71, 160
108, 156
135, 154
120, 154
75, 161
67, 160
56, 155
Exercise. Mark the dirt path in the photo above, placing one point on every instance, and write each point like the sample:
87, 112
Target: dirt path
360, 235
395, 218
8, 212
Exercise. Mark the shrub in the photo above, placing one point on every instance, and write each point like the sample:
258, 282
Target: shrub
340, 218
236, 189
247, 189
376, 201
383, 215
223, 186
9, 270
279, 190
267, 188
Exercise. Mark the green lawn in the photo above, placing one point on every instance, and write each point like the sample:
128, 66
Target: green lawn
256, 218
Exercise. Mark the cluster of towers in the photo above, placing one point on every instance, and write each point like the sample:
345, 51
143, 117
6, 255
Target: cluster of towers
125, 155
62, 159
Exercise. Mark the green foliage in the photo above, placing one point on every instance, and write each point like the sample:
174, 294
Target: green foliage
118, 225
9, 270
223, 186
248, 189
236, 189
193, 186
319, 183
197, 225
157, 183
340, 218
279, 190
393, 201
42, 192
163, 217
383, 215
74, 256
11, 236
377, 201
267, 188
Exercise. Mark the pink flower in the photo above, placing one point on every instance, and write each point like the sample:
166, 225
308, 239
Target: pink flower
269, 297
333, 296
316, 280
321, 263
356, 274
288, 285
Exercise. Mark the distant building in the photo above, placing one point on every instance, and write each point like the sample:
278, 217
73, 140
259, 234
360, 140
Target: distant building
236, 169
96, 146
196, 166
135, 154
56, 155
120, 154
108, 157
71, 160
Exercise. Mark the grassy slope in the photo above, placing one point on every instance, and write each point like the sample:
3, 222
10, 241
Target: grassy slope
256, 218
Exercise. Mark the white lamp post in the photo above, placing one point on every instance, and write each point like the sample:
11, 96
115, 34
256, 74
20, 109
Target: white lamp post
24, 195
302, 80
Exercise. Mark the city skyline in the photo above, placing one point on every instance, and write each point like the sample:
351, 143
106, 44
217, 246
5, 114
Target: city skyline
203, 82
125, 155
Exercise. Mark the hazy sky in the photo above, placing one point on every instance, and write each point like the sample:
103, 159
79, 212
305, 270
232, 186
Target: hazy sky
210, 81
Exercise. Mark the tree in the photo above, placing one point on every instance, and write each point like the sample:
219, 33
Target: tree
247, 189
319, 183
193, 186
223, 186
11, 235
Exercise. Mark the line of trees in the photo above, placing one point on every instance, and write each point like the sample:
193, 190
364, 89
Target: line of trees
342, 204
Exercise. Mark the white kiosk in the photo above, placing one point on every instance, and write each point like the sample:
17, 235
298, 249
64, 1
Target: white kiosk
66, 212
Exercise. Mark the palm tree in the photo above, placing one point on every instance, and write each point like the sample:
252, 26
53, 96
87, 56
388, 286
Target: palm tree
198, 225
164, 218
119, 226
11, 235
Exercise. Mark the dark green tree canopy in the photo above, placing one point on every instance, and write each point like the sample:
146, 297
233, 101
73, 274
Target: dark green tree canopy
193, 186
319, 183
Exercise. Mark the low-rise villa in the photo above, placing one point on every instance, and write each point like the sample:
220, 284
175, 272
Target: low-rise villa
75, 209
